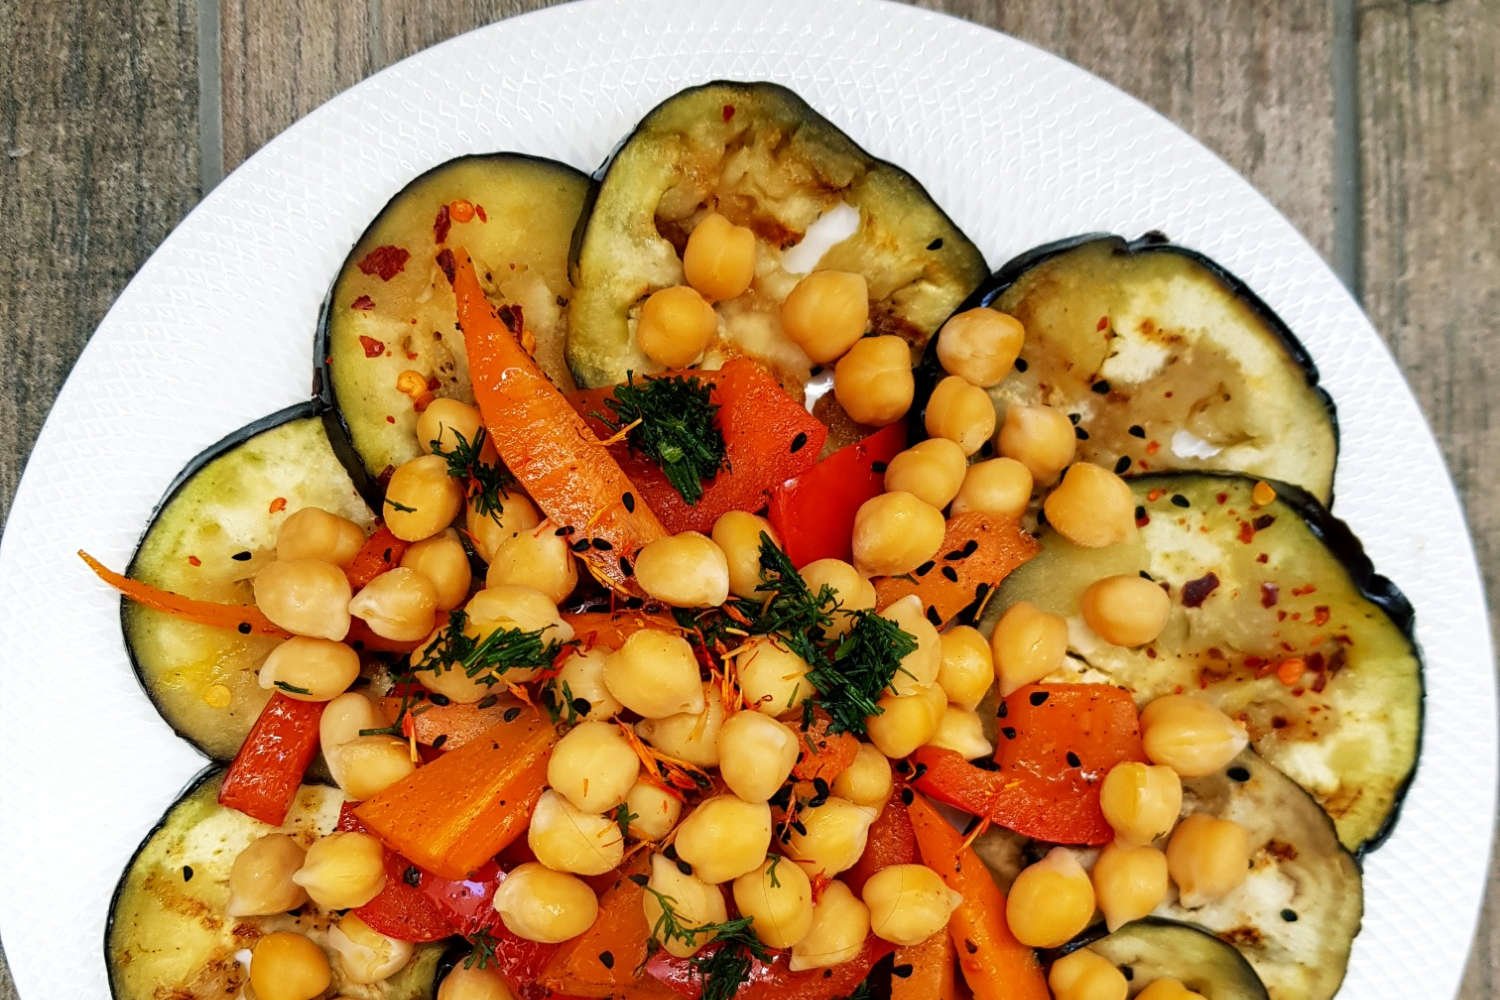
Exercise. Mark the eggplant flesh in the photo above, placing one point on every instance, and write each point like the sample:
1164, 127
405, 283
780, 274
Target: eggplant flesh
391, 309
1152, 949
167, 933
760, 156
1258, 588
216, 528
1165, 360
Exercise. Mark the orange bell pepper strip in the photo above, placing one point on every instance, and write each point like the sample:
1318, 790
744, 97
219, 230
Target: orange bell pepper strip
545, 443
243, 618
821, 754
605, 960
459, 811
978, 551
925, 971
611, 629
265, 774
381, 551
890, 841
449, 727
995, 965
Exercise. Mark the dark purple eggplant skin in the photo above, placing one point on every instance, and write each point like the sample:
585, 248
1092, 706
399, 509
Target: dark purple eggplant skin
1098, 931
929, 371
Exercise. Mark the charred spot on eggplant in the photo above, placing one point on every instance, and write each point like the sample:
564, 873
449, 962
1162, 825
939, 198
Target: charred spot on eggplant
1297, 636
1152, 949
168, 936
214, 530
759, 155
1169, 361
388, 332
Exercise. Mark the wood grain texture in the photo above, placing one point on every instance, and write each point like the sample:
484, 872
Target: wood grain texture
1430, 123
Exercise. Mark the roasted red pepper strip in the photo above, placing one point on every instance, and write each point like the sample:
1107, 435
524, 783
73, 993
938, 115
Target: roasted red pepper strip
891, 841
1057, 741
768, 438
814, 513
382, 551
264, 777
773, 980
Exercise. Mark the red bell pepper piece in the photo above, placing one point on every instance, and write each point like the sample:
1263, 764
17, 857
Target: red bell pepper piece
768, 438
264, 777
814, 512
1057, 742
891, 841
404, 908
773, 980
604, 961
382, 551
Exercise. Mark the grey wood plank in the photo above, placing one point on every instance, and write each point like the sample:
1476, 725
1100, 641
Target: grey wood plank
1431, 261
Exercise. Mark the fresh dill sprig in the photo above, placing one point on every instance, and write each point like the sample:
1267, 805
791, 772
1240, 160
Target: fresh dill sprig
862, 667
486, 482
483, 945
398, 505
724, 964
789, 610
673, 421
290, 688
624, 817
485, 659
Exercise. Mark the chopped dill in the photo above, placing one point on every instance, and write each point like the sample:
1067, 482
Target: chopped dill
863, 665
485, 659
486, 482
673, 422
724, 963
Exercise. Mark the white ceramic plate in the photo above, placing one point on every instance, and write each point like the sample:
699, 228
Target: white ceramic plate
1020, 147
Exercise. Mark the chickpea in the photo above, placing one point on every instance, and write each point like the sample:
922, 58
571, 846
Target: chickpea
1168, 989
960, 412
756, 755
1208, 858
999, 486
772, 678
314, 533
895, 533
310, 669
343, 870
906, 722
689, 736
960, 730
719, 259
1129, 882
851, 590
445, 564
867, 781
567, 839
695, 902
1189, 735
593, 766
511, 606
539, 558
835, 835
1141, 802
686, 570
931, 470
1050, 901
840, 925
260, 882
919, 668
365, 954
873, 381
826, 313
966, 669
1087, 975
654, 674
582, 676
777, 896
474, 983
675, 325
344, 717
724, 837
538, 904
421, 499
399, 604
908, 903
655, 811
1091, 507
737, 534
488, 532
1027, 645
1040, 438
368, 765
980, 345
288, 966
305, 596
1125, 610
447, 425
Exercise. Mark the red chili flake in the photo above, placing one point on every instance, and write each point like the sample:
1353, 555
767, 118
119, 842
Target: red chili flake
1263, 558
1103, 324
1195, 592
1247, 533
364, 303
385, 261
1222, 498
1281, 616
442, 224
194, 561
1155, 494
479, 211
390, 419
512, 317
1264, 521
446, 262
728, 112
373, 348
1304, 590
278, 505
1269, 595
1321, 614
461, 209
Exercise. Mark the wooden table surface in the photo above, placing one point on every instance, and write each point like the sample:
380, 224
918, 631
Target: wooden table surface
1375, 126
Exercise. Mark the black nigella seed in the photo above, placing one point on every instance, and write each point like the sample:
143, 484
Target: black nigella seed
1128, 973
950, 574
1080, 434
1140, 512
1075, 419
908, 796
241, 556
442, 738
187, 873
582, 545
934, 617
629, 501
925, 568
1290, 916
640, 879
439, 699
670, 851
243, 628
936, 244
1239, 774
1263, 522
820, 786
565, 531
1009, 732
412, 876
903, 767
1122, 464
488, 701
902, 971
918, 771
607, 959
1021, 365
1074, 760
685, 868
1100, 388
1178, 500
602, 544
1136, 431
512, 714
582, 706
1040, 697
1002, 711
800, 827
626, 566
1145, 576
987, 764
799, 442
879, 467
970, 947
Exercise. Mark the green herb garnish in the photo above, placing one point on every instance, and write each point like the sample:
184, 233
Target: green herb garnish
624, 817
291, 688
397, 505
734, 947
864, 664
486, 482
483, 944
485, 659
672, 421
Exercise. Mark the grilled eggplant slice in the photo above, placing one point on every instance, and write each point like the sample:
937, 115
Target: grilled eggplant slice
758, 154
1259, 588
167, 933
391, 309
1168, 361
1151, 949
215, 529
